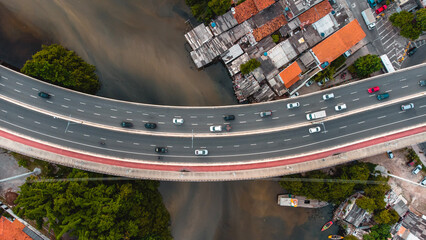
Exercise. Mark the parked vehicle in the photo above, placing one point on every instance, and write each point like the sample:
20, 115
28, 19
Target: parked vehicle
201, 152
325, 80
373, 89
265, 113
150, 125
407, 106
390, 154
229, 117
417, 169
382, 96
126, 124
293, 105
369, 18
411, 163
411, 51
316, 115
215, 128
372, 3
44, 95
340, 107
309, 83
381, 9
422, 83
295, 95
314, 129
328, 96
178, 121
423, 182
161, 149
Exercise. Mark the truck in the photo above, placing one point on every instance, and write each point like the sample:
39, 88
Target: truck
316, 115
369, 18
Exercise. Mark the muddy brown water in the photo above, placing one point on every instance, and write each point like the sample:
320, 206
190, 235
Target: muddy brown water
139, 51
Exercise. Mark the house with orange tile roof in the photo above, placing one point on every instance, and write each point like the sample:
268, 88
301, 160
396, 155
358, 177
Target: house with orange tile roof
269, 27
315, 13
249, 8
339, 42
16, 230
291, 74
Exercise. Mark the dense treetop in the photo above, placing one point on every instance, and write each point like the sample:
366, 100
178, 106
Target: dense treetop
96, 209
59, 66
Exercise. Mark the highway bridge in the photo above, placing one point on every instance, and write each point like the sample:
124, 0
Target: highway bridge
84, 131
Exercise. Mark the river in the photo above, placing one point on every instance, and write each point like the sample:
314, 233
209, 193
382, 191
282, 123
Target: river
139, 51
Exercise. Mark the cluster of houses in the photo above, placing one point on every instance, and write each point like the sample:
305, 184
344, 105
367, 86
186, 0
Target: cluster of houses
358, 220
309, 35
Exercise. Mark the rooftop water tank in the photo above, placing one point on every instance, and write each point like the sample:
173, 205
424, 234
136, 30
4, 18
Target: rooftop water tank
213, 24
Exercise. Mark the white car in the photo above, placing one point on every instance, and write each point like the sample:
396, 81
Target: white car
417, 169
423, 182
178, 121
315, 129
265, 113
309, 83
406, 107
215, 128
293, 105
328, 96
340, 107
201, 152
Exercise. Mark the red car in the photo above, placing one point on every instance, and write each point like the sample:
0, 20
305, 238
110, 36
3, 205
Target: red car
373, 89
381, 9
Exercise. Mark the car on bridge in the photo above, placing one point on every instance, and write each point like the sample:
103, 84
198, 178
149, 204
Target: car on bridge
340, 107
315, 129
126, 124
215, 128
328, 96
161, 149
407, 106
44, 95
265, 113
293, 105
229, 117
422, 83
150, 125
373, 89
177, 121
201, 152
382, 96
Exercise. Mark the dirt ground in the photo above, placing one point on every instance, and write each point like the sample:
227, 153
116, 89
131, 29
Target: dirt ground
415, 195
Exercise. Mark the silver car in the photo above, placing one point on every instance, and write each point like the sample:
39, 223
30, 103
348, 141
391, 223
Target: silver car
293, 105
265, 113
215, 128
328, 96
178, 121
417, 169
407, 106
314, 129
340, 107
201, 152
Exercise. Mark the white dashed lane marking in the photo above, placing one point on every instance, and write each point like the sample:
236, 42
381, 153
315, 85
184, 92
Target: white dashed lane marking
356, 99
243, 121
67, 99
64, 106
4, 77
82, 103
288, 139
361, 122
404, 86
20, 117
16, 90
19, 83
381, 117
36, 122
80, 110
96, 106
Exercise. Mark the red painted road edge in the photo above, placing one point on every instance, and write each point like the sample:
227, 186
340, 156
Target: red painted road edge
216, 168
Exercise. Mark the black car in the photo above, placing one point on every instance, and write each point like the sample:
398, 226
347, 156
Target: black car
44, 95
150, 125
126, 124
411, 51
229, 117
161, 149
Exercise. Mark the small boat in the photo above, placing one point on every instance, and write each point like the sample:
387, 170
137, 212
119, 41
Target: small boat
326, 226
335, 237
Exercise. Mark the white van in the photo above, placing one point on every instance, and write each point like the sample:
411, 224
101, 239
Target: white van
316, 115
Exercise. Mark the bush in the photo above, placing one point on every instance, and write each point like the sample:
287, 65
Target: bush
275, 38
249, 66
338, 62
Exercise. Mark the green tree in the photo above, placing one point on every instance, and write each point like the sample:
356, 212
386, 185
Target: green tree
219, 7
367, 64
249, 66
275, 38
406, 23
378, 232
59, 66
421, 18
350, 237
366, 203
96, 209
386, 217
